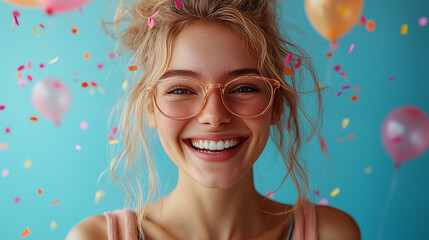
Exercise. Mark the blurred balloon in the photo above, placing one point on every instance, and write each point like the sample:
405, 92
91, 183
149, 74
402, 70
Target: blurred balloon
52, 6
51, 98
23, 3
405, 133
333, 18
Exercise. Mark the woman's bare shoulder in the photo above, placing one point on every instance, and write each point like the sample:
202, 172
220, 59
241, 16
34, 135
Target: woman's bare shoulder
91, 228
333, 223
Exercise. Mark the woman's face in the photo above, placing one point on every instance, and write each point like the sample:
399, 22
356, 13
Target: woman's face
212, 51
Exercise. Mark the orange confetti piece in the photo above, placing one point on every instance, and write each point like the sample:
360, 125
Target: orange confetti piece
55, 202
42, 26
94, 84
87, 55
340, 140
39, 191
18, 75
287, 71
370, 26
351, 136
354, 98
329, 54
74, 30
34, 119
25, 232
358, 89
322, 144
3, 146
84, 84
132, 68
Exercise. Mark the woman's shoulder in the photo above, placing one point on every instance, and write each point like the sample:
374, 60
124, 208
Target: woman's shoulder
333, 223
93, 227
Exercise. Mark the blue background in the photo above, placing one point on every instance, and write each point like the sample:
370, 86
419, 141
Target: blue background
70, 175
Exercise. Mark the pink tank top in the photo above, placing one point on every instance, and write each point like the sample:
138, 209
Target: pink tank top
122, 224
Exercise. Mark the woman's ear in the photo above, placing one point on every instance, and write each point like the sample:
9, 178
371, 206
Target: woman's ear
151, 115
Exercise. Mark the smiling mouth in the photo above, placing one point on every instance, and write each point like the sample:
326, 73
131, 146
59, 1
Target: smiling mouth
241, 141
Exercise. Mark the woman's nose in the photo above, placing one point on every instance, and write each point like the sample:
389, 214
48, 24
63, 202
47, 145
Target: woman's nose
214, 112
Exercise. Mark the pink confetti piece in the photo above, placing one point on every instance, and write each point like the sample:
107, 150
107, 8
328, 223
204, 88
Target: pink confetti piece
298, 64
345, 87
29, 64
363, 19
334, 46
100, 66
351, 47
57, 85
15, 16
7, 130
316, 192
22, 83
397, 139
16, 200
2, 107
288, 58
111, 137
29, 78
392, 78
150, 22
83, 125
20, 68
111, 56
344, 75
323, 201
78, 147
339, 93
115, 129
178, 4
337, 68
423, 21
5, 172
41, 65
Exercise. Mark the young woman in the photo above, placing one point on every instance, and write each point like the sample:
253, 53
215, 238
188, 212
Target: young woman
212, 86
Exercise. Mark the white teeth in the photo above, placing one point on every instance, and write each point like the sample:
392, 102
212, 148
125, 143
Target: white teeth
213, 145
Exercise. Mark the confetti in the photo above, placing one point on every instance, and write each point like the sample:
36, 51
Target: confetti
334, 45
298, 64
35, 31
41, 65
270, 194
22, 83
75, 30
287, 71
78, 147
34, 119
345, 87
30, 78
4, 146
100, 66
132, 68
53, 60
368, 170
316, 192
114, 129
337, 68
98, 195
124, 85
329, 54
178, 4
5, 172
27, 163
392, 78
2, 107
351, 136
16, 200
335, 192
354, 98
345, 123
39, 191
423, 21
397, 140
323, 201
87, 55
29, 64
322, 144
111, 137
20, 68
342, 11
84, 84
18, 75
25, 232
7, 130
113, 142
83, 125
351, 47
339, 93
288, 58
55, 202
42, 26
101, 90
111, 56
91, 92
357, 89
94, 84
363, 19
53, 224
15, 16
344, 75
370, 26
340, 140
150, 22
404, 29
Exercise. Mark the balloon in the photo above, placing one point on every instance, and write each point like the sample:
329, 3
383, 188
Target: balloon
51, 98
405, 133
23, 3
333, 18
52, 6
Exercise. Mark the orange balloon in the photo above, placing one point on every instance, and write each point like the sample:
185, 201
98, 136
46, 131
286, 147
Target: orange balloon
333, 18
24, 3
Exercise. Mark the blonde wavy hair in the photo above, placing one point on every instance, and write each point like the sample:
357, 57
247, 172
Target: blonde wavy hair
255, 21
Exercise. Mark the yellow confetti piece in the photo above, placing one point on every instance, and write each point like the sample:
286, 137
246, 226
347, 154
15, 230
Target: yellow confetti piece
27, 163
98, 195
345, 123
101, 90
53, 60
335, 192
3, 146
125, 85
91, 91
342, 11
404, 29
53, 224
35, 31
113, 142
368, 170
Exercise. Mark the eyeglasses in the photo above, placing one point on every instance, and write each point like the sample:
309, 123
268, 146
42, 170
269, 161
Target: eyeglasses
183, 98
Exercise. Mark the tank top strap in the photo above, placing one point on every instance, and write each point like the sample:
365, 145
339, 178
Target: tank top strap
305, 227
122, 225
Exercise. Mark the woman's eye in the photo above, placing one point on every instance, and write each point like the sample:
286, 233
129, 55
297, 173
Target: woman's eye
179, 91
245, 90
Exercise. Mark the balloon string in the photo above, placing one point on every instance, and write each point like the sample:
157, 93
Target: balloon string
387, 206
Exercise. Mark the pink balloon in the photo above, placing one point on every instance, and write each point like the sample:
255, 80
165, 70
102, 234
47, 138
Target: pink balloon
52, 6
51, 98
405, 133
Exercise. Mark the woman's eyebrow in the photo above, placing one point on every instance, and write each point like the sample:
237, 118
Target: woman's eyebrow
197, 75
